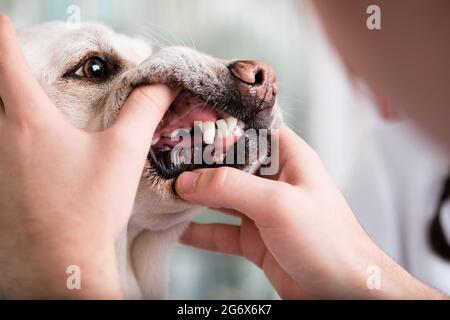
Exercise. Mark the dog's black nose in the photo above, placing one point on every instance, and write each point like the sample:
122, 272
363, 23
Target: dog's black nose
255, 80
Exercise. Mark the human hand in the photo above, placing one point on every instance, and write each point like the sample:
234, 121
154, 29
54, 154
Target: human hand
65, 194
296, 226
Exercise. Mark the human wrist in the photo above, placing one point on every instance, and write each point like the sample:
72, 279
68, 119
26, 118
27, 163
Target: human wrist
375, 275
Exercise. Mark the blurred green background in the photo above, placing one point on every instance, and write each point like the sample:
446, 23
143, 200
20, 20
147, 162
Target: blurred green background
313, 93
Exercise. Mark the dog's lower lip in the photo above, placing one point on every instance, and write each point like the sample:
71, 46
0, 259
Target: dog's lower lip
160, 161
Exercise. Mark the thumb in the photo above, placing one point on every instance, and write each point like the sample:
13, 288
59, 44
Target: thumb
260, 199
143, 110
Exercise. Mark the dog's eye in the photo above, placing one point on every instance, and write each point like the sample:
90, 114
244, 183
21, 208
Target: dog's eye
93, 68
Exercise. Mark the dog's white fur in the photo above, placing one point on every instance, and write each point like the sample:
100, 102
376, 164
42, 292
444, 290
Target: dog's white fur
159, 217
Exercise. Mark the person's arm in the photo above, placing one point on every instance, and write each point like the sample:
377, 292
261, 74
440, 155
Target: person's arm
65, 194
297, 227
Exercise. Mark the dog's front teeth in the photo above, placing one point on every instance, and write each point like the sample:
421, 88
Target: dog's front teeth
178, 157
222, 127
209, 132
231, 123
241, 124
199, 125
219, 135
219, 159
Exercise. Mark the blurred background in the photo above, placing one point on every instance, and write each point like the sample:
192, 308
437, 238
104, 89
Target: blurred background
318, 99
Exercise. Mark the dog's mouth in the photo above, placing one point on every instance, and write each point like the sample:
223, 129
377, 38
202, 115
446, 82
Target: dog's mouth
194, 134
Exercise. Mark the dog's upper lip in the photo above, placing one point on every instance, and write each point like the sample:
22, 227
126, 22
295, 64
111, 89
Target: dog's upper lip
184, 111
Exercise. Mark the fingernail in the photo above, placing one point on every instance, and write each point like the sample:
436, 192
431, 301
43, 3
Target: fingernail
186, 182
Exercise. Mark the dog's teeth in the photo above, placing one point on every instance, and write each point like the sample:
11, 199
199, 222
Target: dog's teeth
179, 132
209, 132
220, 158
222, 127
166, 148
174, 133
231, 123
178, 157
155, 141
199, 124
241, 124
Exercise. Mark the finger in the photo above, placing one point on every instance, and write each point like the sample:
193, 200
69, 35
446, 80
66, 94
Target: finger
20, 91
298, 162
214, 237
262, 200
231, 212
142, 112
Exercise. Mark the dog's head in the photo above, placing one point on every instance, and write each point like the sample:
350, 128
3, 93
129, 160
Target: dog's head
88, 72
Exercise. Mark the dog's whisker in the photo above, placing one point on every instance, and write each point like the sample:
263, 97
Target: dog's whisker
291, 110
177, 41
192, 40
153, 43
159, 36
288, 98
289, 115
146, 33
163, 42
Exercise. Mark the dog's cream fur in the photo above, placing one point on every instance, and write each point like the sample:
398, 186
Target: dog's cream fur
159, 217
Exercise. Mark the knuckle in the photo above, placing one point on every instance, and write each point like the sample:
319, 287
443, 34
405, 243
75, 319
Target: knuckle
281, 198
21, 124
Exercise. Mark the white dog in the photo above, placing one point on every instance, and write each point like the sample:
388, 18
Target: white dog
88, 73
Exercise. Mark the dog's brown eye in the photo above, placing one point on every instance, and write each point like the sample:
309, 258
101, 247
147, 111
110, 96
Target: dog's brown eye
93, 68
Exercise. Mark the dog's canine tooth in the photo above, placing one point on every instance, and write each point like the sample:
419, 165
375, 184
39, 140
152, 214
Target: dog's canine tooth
209, 132
222, 127
178, 132
231, 123
174, 133
155, 141
241, 124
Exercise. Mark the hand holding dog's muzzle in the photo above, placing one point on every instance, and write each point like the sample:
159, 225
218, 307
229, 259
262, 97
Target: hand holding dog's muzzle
296, 226
65, 194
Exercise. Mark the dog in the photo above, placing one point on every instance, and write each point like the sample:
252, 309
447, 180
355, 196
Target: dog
89, 71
